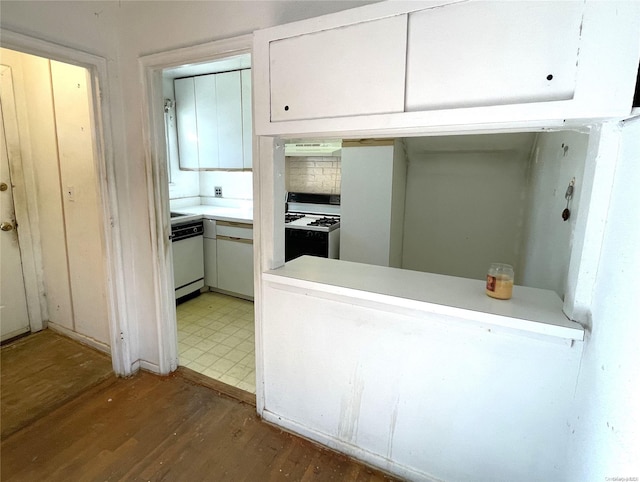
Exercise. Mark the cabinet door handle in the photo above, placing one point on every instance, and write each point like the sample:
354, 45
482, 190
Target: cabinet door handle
235, 225
235, 240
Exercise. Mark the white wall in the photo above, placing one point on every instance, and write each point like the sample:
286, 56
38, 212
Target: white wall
182, 184
605, 423
557, 158
81, 205
121, 32
465, 202
398, 206
235, 185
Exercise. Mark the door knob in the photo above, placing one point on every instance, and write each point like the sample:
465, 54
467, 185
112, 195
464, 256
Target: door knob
6, 226
3, 186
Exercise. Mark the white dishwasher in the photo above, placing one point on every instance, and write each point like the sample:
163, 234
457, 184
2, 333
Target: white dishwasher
188, 257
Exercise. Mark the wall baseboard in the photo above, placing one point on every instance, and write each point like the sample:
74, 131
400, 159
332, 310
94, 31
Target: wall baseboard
85, 340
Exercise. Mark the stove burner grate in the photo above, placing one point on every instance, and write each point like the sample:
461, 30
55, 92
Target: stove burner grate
323, 222
288, 217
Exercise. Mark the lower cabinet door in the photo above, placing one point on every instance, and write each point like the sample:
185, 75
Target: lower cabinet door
235, 265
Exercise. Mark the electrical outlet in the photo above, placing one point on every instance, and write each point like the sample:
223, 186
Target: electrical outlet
218, 191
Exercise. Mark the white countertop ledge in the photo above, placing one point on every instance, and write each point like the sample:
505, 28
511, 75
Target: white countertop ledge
530, 309
221, 213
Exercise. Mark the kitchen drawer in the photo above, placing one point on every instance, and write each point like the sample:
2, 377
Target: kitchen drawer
234, 230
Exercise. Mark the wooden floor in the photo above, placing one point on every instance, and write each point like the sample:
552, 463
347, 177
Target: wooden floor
41, 372
162, 428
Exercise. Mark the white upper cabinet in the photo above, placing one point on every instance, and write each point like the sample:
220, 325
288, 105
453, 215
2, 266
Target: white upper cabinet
207, 120
351, 70
212, 121
186, 123
229, 113
447, 66
478, 59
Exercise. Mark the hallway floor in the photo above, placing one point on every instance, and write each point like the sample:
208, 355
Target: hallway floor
216, 337
42, 371
153, 428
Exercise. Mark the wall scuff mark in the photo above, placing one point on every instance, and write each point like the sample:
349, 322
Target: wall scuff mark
350, 408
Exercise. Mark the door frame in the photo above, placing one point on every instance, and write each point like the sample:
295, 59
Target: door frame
153, 131
106, 185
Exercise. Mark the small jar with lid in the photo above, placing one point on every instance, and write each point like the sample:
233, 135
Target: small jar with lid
500, 281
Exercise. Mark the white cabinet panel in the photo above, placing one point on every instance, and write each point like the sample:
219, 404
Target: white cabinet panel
210, 253
186, 123
247, 119
207, 120
229, 118
492, 53
210, 263
235, 265
353, 70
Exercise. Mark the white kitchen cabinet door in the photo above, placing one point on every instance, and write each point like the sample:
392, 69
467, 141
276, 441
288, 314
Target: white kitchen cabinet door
247, 120
235, 265
492, 53
353, 70
186, 123
210, 263
207, 121
463, 66
229, 118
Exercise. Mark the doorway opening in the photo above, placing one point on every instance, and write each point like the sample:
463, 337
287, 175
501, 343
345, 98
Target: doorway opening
51, 146
203, 150
207, 131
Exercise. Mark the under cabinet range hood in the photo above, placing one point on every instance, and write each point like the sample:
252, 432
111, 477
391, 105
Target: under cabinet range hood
310, 147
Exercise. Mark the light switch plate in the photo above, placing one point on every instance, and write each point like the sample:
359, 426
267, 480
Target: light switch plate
218, 190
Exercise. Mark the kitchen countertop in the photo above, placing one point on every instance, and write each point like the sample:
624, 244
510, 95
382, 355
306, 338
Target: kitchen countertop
529, 310
221, 213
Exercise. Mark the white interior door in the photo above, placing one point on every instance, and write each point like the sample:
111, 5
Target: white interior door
14, 318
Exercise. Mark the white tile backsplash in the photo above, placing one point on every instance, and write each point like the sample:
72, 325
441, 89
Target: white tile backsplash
313, 174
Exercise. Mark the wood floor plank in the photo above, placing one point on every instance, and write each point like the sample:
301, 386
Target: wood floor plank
152, 428
42, 371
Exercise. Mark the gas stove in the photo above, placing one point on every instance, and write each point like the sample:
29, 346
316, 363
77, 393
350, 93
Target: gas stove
312, 225
312, 222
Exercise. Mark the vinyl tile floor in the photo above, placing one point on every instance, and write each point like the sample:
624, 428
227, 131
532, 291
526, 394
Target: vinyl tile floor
216, 337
